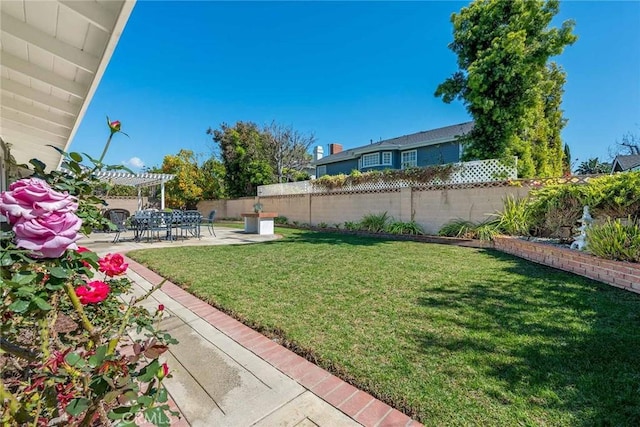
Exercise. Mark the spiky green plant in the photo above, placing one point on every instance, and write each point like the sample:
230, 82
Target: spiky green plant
615, 240
400, 227
374, 223
515, 218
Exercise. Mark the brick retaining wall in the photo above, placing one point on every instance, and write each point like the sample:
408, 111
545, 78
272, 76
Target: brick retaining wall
624, 275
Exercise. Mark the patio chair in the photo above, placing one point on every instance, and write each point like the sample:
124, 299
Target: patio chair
159, 222
119, 219
190, 224
209, 221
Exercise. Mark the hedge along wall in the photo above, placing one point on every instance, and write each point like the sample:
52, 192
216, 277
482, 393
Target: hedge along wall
620, 274
429, 207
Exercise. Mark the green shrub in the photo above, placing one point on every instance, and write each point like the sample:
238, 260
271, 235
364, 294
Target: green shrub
615, 240
557, 206
485, 230
374, 223
281, 220
323, 225
515, 218
457, 228
399, 227
352, 225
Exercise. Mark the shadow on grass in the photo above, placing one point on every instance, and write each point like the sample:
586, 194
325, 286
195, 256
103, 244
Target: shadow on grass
319, 237
555, 340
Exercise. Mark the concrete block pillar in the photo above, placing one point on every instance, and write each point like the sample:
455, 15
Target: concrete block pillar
406, 204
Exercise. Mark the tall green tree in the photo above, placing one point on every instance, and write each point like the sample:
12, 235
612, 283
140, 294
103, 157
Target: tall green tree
185, 190
566, 161
242, 150
506, 83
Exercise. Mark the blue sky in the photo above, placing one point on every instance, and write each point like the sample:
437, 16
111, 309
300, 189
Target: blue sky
348, 72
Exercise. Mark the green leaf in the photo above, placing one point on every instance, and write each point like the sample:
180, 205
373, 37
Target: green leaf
145, 400
76, 156
149, 372
59, 272
156, 416
24, 277
77, 406
97, 358
72, 358
42, 304
19, 306
119, 413
162, 396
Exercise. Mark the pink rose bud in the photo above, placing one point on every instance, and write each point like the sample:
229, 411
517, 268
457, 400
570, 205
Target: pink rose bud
161, 307
163, 371
114, 126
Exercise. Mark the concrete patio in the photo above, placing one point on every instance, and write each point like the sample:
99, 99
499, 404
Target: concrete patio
226, 374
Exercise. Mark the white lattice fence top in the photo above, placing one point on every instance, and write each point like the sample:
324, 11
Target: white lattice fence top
483, 171
300, 187
464, 173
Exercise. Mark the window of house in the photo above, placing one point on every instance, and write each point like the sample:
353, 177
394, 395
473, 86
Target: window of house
369, 160
409, 159
321, 170
386, 158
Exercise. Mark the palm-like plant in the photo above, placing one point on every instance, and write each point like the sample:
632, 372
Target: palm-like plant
593, 166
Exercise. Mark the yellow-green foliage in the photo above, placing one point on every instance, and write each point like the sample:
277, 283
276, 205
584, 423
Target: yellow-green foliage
615, 240
612, 196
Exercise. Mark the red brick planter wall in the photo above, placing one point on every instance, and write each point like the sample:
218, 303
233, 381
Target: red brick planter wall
624, 275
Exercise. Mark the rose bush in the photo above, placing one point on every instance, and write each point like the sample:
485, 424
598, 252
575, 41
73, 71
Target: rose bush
76, 348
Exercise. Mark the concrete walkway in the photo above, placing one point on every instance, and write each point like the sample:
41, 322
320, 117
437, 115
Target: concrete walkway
226, 374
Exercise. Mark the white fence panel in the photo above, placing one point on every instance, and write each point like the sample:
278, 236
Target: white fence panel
466, 172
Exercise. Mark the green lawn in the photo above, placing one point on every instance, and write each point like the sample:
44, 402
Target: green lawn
450, 335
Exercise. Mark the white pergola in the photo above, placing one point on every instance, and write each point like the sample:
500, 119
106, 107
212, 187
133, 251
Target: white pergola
53, 55
139, 181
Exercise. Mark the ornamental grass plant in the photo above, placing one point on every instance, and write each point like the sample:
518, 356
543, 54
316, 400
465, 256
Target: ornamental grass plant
67, 358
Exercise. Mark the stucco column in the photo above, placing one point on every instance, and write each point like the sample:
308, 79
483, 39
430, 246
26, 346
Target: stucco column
406, 204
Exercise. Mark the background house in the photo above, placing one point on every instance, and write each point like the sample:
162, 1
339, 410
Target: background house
626, 163
432, 147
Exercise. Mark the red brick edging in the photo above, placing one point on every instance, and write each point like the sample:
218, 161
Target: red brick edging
357, 404
623, 275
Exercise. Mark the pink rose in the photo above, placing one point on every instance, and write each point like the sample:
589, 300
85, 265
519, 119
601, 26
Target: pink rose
32, 198
93, 292
50, 235
112, 265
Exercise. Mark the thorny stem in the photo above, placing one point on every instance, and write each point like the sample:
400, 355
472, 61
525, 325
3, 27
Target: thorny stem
114, 341
93, 332
7, 396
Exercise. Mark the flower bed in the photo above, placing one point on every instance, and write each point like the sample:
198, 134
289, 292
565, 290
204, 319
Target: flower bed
624, 275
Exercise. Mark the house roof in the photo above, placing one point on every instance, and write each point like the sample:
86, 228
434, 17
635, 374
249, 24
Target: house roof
54, 54
405, 142
623, 163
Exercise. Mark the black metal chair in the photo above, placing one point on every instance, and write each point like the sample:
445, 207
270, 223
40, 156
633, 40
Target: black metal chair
190, 224
209, 221
119, 219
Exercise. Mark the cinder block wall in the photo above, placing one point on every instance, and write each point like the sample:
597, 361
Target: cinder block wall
620, 274
434, 208
128, 203
430, 208
338, 208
